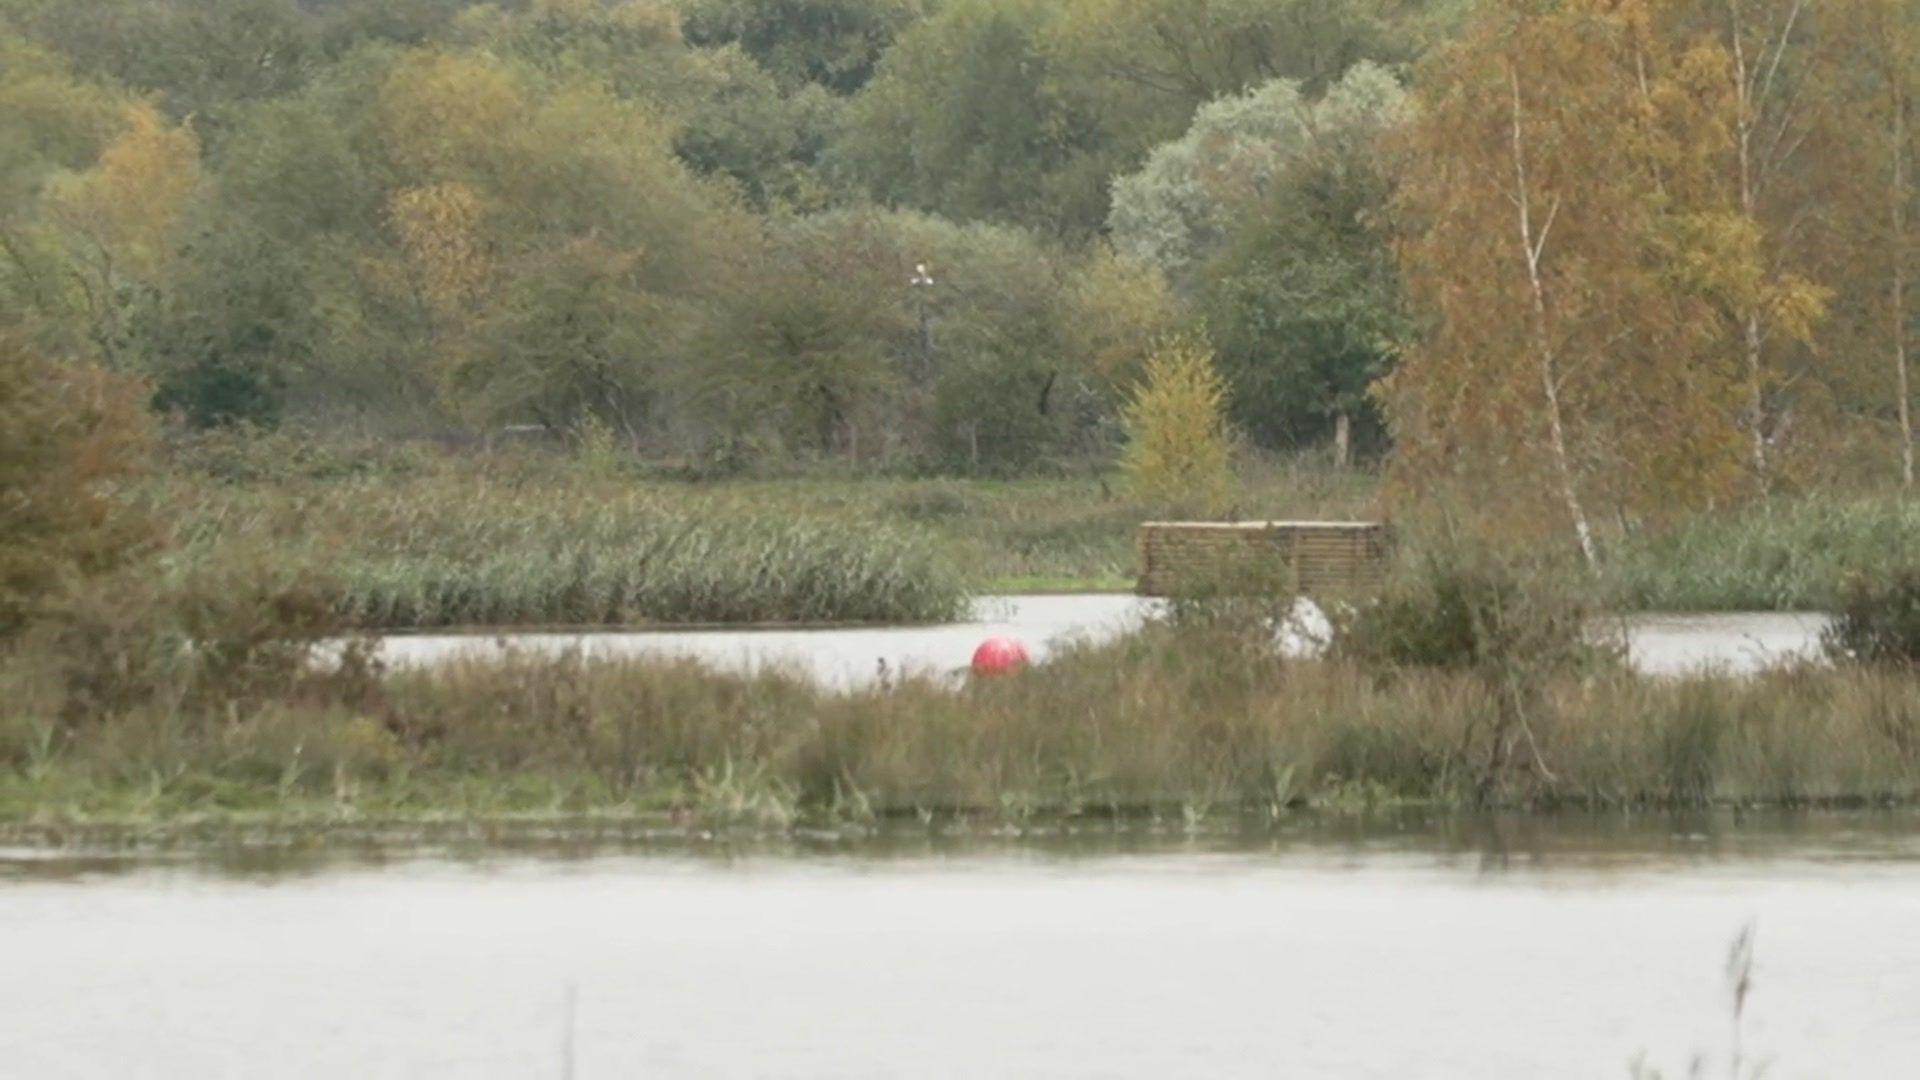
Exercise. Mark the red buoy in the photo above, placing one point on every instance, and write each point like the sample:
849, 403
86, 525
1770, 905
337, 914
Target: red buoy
998, 656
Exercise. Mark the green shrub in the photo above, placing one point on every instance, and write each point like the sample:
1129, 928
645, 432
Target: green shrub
1449, 607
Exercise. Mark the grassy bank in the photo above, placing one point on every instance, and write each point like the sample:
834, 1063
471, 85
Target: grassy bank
1169, 723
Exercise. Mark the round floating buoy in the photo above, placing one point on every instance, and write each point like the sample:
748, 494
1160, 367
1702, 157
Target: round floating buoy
999, 655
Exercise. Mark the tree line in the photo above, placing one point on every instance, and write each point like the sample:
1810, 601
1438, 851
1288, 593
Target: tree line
1623, 255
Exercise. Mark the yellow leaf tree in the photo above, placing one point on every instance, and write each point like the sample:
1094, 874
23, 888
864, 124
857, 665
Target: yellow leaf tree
122, 217
1179, 450
1565, 372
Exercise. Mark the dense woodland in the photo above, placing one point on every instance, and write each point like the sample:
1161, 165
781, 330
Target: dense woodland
1627, 256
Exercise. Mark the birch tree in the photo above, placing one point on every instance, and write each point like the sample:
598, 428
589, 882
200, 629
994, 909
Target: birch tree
1560, 359
1769, 303
1870, 71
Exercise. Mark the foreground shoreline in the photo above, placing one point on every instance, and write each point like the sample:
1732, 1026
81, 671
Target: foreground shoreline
297, 837
1161, 724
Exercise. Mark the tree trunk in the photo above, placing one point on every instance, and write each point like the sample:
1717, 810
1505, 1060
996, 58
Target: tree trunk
1342, 440
1899, 289
1532, 244
1752, 87
1756, 402
1751, 338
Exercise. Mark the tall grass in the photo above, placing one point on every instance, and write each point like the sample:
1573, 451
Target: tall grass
449, 553
1185, 723
1783, 555
423, 528
1045, 532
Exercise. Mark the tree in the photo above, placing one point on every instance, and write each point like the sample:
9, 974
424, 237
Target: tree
120, 220
206, 60
1768, 303
547, 238
571, 333
1195, 51
1271, 210
744, 127
1304, 304
807, 346
1178, 449
834, 44
974, 114
1177, 209
71, 439
50, 120
1868, 69
1561, 359
1006, 353
52, 123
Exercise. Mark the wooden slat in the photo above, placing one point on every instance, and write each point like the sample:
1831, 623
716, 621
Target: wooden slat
1324, 556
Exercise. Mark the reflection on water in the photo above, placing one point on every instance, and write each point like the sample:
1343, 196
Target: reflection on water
1668, 841
1661, 644
1393, 946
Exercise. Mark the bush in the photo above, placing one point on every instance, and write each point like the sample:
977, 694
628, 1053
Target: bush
72, 439
1448, 607
1878, 619
236, 628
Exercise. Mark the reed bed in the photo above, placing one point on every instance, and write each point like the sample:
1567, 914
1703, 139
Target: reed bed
1787, 554
1172, 722
403, 555
1064, 532
502, 532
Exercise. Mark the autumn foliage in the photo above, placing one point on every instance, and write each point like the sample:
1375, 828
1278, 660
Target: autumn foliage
72, 438
1178, 449
1614, 248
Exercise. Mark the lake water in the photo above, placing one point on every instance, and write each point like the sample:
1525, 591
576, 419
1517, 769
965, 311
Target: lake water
1396, 949
847, 657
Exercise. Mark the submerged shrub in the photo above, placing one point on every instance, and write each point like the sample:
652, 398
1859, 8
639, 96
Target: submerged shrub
1878, 619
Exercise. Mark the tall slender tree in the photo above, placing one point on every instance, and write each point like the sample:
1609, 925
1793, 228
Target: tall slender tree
1560, 359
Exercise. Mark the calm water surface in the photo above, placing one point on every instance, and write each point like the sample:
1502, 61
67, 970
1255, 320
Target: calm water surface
1399, 949
847, 657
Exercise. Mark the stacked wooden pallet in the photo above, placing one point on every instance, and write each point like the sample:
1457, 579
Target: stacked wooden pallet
1317, 557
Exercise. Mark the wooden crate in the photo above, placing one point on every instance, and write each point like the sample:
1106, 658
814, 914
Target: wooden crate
1322, 557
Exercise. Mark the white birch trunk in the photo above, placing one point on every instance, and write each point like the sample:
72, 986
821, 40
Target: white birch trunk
1532, 244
